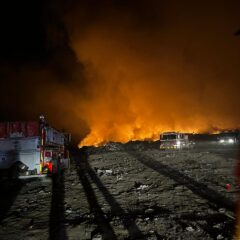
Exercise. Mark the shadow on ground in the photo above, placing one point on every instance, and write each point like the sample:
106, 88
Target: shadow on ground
9, 191
223, 224
101, 220
200, 189
57, 229
87, 174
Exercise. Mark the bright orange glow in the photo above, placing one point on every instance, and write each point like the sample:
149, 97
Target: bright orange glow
99, 137
134, 96
137, 69
144, 75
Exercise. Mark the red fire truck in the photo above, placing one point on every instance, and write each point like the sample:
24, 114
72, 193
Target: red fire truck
32, 148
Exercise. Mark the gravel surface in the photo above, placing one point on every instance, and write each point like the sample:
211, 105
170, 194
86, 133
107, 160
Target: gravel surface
131, 191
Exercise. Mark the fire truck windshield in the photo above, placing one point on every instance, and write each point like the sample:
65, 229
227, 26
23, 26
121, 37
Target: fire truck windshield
169, 137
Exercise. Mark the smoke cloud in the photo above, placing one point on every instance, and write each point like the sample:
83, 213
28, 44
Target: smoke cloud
129, 70
154, 67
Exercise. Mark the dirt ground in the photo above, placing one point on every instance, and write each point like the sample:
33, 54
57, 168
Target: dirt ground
131, 191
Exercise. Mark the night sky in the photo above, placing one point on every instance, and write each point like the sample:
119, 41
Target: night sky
121, 70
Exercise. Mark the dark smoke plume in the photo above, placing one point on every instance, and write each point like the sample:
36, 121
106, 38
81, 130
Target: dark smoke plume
123, 70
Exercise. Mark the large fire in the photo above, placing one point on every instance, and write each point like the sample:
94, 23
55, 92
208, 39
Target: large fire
129, 70
145, 79
136, 95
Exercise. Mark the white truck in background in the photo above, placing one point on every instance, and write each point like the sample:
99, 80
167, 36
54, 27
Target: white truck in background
228, 138
174, 140
32, 148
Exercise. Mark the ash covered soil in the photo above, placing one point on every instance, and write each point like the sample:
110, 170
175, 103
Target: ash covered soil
127, 191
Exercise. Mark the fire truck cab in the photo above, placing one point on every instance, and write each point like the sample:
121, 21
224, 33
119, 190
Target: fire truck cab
174, 140
32, 148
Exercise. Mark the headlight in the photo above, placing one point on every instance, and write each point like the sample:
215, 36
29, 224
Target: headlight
178, 143
230, 141
221, 141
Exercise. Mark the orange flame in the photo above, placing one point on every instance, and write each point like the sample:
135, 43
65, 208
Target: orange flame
143, 78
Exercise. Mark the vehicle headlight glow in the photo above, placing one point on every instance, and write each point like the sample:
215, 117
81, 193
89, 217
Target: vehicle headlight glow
230, 140
178, 143
221, 140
